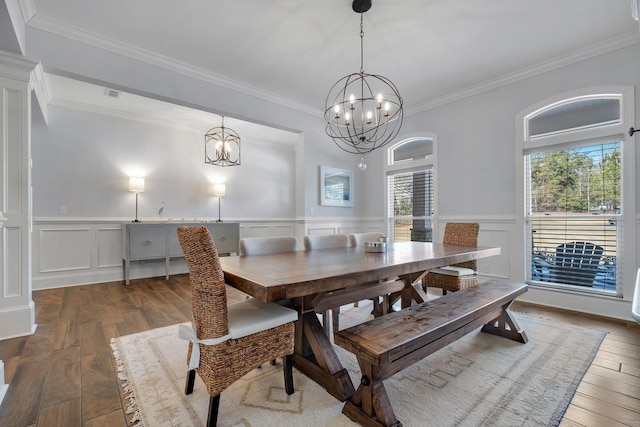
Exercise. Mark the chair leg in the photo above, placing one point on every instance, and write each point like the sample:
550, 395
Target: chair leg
335, 319
214, 404
191, 378
288, 373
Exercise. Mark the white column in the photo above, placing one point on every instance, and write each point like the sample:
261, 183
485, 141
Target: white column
17, 314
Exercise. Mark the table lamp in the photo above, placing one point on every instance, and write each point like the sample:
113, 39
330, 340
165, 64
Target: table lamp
137, 186
219, 190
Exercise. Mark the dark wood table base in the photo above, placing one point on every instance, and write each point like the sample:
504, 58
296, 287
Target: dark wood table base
316, 358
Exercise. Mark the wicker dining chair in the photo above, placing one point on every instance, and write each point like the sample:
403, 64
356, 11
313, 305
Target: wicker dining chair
458, 276
228, 342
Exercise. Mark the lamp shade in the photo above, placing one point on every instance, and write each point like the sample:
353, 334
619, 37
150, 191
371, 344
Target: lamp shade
219, 190
136, 184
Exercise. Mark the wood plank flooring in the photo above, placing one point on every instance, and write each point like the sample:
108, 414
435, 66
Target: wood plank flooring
64, 374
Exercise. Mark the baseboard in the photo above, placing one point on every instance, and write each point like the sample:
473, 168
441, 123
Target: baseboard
17, 321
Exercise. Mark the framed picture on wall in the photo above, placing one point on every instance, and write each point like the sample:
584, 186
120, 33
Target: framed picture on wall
336, 187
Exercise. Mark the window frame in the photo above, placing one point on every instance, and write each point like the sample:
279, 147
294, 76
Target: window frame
409, 166
576, 138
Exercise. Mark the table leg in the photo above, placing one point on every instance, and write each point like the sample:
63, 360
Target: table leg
412, 292
315, 357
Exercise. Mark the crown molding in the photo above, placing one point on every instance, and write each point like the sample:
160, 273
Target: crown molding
251, 138
525, 73
41, 90
28, 8
96, 40
121, 114
15, 66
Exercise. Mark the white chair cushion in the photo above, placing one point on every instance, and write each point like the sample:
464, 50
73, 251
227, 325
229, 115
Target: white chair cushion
453, 271
252, 316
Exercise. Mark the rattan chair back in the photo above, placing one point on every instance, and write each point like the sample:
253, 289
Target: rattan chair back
209, 296
463, 234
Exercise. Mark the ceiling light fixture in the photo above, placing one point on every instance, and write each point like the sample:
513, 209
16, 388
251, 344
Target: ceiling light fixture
222, 146
363, 111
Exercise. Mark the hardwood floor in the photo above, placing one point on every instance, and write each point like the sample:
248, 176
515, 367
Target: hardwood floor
64, 374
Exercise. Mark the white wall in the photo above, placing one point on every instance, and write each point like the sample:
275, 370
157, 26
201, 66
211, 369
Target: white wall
82, 161
476, 164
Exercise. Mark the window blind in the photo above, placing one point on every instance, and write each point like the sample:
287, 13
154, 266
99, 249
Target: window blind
410, 196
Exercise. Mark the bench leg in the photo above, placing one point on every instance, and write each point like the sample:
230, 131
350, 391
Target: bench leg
370, 404
506, 326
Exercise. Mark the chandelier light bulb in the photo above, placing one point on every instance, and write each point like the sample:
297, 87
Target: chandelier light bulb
362, 165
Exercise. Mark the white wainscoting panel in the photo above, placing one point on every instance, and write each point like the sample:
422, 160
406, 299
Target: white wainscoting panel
497, 266
109, 247
64, 249
75, 252
272, 229
494, 231
344, 226
13, 277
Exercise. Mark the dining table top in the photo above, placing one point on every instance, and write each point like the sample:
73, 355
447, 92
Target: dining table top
286, 275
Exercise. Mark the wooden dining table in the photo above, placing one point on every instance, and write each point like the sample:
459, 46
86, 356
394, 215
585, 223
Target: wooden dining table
311, 278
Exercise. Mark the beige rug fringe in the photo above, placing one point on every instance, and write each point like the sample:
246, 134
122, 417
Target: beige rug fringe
132, 408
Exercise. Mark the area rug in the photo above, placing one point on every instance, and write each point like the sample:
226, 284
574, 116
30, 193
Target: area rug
479, 380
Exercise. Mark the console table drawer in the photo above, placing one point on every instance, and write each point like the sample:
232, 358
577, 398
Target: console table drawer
147, 242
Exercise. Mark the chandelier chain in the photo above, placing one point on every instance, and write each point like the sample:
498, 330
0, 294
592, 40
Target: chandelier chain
361, 44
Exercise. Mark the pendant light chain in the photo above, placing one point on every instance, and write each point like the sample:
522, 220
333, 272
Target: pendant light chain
361, 44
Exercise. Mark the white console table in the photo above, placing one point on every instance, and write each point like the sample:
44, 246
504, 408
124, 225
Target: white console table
159, 241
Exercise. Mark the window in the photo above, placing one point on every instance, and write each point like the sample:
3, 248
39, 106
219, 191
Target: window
410, 190
573, 163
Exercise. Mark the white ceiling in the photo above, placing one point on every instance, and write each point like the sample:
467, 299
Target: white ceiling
293, 52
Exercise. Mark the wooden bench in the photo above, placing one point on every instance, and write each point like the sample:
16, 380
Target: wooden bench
388, 344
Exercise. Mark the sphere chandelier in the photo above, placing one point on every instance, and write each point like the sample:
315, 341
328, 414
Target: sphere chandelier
363, 111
